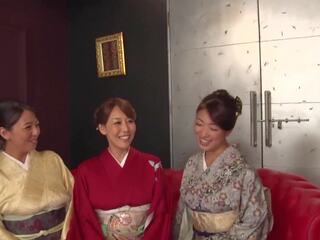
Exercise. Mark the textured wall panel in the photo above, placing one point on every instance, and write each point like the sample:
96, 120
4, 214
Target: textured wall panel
281, 19
206, 23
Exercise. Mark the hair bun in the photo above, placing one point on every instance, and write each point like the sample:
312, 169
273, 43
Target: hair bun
221, 92
238, 105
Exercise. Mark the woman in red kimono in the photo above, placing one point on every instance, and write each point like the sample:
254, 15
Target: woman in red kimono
118, 195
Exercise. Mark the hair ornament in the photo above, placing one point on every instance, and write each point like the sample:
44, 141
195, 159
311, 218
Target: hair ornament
238, 105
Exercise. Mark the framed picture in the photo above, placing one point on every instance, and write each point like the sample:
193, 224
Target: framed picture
110, 55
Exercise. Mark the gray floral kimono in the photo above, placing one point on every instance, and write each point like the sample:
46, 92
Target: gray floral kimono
229, 185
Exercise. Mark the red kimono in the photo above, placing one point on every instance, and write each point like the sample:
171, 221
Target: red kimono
101, 183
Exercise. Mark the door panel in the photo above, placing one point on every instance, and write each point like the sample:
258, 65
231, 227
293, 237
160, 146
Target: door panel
182, 135
198, 72
216, 44
281, 19
241, 137
208, 51
207, 23
291, 70
294, 88
295, 144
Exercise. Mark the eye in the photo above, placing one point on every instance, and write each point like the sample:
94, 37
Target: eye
28, 127
130, 120
198, 124
117, 123
215, 128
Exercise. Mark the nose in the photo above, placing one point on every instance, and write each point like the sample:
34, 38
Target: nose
36, 130
204, 132
124, 126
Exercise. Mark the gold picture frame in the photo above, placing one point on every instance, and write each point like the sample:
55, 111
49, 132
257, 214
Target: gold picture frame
110, 55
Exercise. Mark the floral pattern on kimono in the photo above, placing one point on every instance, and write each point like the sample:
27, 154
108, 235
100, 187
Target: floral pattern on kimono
228, 184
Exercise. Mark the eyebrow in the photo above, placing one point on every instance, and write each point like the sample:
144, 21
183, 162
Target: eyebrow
31, 122
211, 123
116, 118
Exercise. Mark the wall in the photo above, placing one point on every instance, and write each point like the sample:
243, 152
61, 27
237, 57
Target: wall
261, 46
33, 65
143, 24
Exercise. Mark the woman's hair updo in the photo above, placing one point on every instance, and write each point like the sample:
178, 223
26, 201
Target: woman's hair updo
102, 113
10, 113
223, 108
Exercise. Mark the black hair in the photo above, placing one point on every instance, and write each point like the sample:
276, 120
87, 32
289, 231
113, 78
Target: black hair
10, 113
223, 108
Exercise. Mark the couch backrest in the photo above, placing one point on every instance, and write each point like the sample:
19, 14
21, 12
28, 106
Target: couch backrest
295, 206
295, 203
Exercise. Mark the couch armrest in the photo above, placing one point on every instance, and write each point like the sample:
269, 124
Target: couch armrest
295, 206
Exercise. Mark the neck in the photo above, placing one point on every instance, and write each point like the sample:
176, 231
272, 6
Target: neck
118, 154
211, 156
16, 154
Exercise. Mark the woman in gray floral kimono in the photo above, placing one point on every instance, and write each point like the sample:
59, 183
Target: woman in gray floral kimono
222, 197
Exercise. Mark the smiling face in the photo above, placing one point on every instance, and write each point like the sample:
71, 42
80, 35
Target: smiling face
119, 131
23, 136
210, 137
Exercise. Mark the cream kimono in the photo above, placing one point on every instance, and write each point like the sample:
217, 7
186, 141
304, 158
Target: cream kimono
46, 185
226, 201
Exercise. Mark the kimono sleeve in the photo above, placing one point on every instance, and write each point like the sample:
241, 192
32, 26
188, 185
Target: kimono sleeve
182, 226
84, 224
160, 226
253, 222
68, 182
5, 234
178, 219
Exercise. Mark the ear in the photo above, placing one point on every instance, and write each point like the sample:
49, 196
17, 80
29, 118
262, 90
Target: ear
4, 133
102, 129
228, 133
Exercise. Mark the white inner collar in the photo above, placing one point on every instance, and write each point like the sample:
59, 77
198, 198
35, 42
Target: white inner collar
24, 165
123, 161
204, 161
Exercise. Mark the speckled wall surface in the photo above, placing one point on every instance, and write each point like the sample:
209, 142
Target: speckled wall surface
248, 46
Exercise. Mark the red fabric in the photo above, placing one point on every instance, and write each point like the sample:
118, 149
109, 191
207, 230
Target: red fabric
100, 183
172, 182
295, 203
295, 206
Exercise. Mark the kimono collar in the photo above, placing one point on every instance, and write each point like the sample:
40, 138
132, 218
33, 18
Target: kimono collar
122, 163
204, 164
226, 157
24, 165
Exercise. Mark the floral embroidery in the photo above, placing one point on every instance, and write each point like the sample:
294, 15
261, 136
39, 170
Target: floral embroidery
155, 165
228, 184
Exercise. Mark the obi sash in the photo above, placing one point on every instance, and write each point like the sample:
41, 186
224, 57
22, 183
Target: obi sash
213, 222
42, 226
205, 223
125, 223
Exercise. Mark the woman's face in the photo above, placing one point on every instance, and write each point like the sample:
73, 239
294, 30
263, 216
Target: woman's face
23, 136
210, 137
119, 130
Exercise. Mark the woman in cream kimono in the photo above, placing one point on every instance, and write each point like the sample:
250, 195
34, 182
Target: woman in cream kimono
222, 197
35, 187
